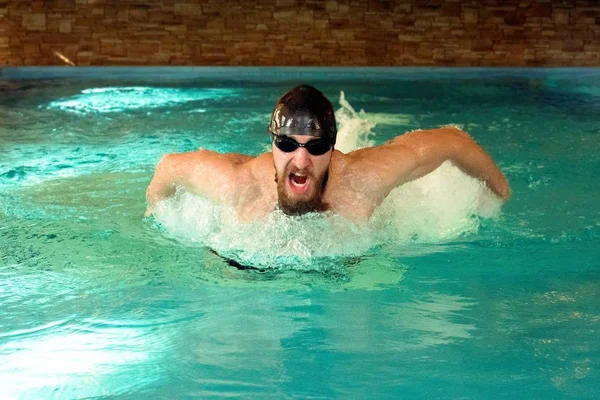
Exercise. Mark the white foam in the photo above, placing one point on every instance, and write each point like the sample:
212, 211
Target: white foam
440, 206
354, 129
278, 241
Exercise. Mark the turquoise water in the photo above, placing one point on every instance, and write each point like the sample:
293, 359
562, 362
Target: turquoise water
441, 296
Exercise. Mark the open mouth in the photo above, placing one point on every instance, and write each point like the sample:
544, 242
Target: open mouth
298, 182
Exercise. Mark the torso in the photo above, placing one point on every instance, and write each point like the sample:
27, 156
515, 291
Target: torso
258, 194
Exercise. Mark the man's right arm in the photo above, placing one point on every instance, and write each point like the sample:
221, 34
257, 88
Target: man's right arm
203, 172
170, 172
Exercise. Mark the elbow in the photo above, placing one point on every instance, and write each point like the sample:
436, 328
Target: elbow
456, 140
455, 133
163, 181
165, 160
167, 166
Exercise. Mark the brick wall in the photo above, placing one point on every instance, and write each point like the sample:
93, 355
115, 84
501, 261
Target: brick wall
296, 32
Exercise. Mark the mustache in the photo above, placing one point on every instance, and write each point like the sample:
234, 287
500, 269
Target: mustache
292, 169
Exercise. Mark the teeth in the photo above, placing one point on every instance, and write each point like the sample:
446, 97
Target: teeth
293, 177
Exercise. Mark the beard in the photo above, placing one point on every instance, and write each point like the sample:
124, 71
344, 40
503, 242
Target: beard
304, 203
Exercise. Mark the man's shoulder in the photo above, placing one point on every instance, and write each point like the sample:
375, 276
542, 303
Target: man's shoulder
244, 159
356, 158
254, 186
238, 166
259, 166
214, 158
264, 157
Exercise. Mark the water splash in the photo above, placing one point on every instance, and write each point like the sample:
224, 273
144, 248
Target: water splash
355, 129
440, 206
278, 242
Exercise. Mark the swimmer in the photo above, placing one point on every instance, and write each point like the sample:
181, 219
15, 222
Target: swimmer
304, 172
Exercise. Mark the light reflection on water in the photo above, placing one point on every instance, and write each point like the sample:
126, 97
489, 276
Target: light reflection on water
120, 99
97, 301
226, 329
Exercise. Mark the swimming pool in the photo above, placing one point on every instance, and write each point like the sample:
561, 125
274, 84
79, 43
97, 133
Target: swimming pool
443, 295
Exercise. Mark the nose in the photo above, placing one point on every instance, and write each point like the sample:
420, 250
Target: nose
302, 158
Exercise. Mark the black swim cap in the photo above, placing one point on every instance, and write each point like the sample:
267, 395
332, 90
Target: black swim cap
304, 111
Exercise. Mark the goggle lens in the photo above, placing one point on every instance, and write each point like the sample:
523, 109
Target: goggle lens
316, 147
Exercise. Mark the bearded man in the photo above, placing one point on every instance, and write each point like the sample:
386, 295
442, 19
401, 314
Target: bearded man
304, 173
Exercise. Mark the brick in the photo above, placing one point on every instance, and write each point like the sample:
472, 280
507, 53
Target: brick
322, 23
376, 49
35, 22
29, 49
403, 8
403, 20
380, 6
592, 47
176, 28
580, 20
285, 17
123, 15
470, 16
188, 9
409, 38
451, 10
64, 26
581, 35
560, 17
138, 15
310, 59
144, 48
573, 45
305, 17
540, 10
513, 34
425, 52
515, 19
482, 45
423, 22
336, 23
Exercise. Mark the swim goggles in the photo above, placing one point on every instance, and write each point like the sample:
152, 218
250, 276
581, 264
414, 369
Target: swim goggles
316, 147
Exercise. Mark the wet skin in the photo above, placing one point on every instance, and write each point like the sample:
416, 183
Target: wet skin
357, 182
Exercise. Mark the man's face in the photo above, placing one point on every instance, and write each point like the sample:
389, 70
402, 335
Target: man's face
300, 178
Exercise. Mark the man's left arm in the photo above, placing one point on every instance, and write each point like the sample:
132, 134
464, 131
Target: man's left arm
415, 154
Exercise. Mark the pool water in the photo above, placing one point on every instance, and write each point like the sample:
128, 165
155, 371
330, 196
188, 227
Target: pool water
443, 294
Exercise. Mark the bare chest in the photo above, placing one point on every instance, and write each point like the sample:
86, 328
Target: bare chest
348, 203
342, 195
